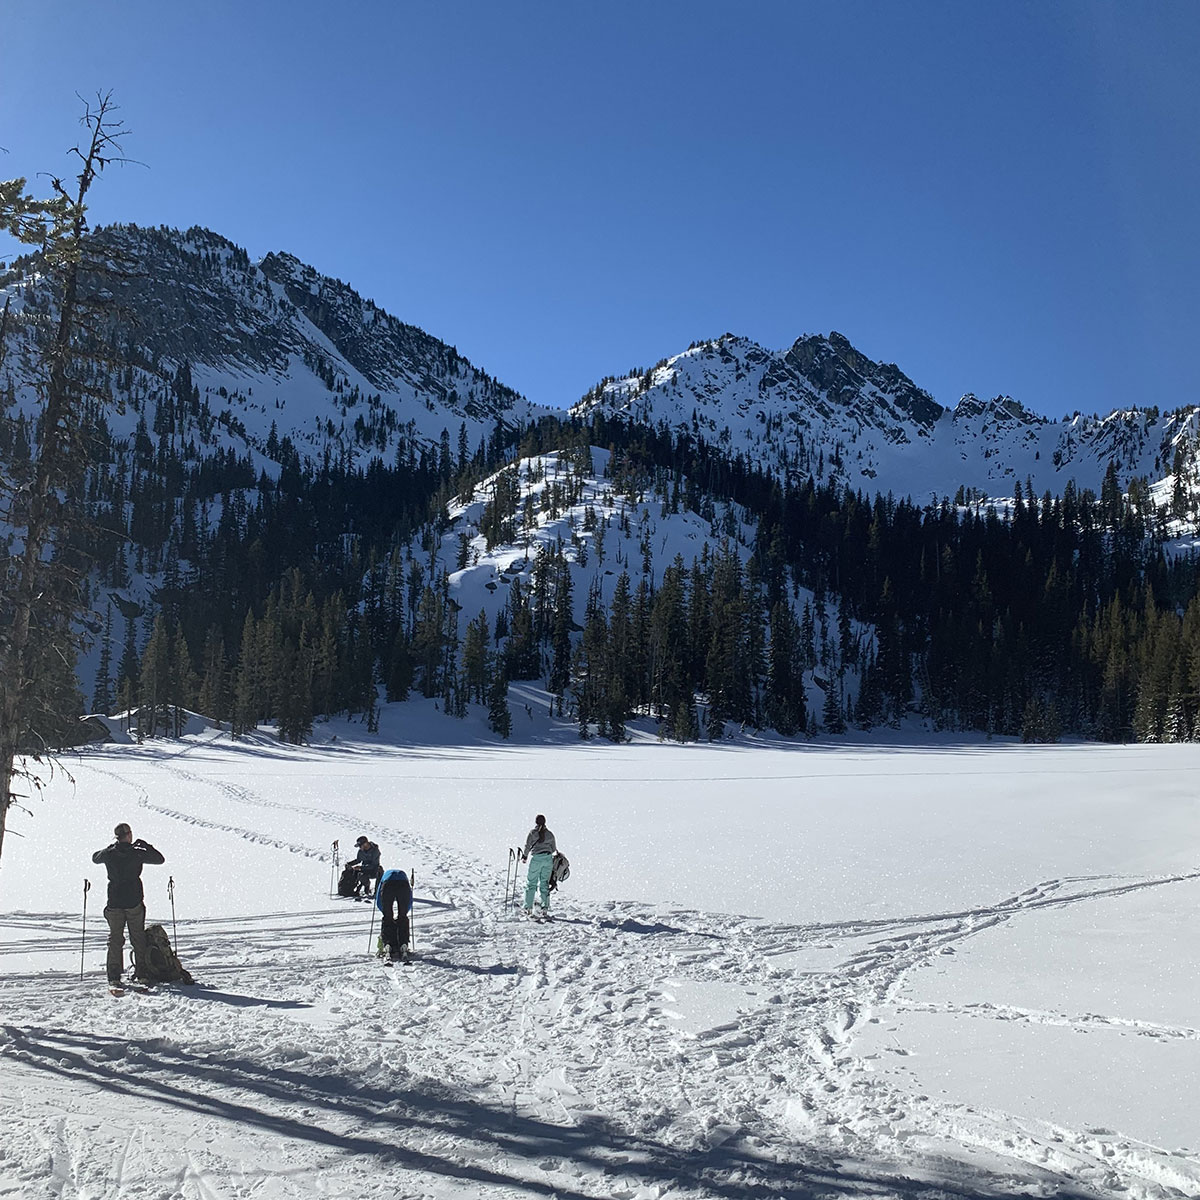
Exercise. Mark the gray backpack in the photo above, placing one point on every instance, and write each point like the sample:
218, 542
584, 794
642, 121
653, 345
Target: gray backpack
560, 869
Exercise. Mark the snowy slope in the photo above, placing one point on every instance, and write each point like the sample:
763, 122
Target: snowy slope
942, 970
598, 547
822, 408
604, 530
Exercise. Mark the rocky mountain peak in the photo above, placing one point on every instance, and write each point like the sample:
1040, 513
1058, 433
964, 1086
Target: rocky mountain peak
1000, 410
845, 375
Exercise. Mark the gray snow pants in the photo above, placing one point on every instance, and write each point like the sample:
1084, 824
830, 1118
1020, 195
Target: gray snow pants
117, 919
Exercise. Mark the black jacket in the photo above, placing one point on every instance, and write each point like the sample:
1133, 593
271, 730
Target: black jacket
124, 862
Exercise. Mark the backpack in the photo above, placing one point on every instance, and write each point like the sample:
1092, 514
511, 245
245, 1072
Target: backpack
347, 882
161, 965
560, 869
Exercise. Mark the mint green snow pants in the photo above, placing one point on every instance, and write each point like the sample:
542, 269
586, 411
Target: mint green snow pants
539, 877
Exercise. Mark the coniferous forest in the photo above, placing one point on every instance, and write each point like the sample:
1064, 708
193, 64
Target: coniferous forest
315, 592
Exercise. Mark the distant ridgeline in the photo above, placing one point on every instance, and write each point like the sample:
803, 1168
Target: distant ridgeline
300, 505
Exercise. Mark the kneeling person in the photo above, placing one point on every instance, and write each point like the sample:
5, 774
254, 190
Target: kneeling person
366, 866
393, 898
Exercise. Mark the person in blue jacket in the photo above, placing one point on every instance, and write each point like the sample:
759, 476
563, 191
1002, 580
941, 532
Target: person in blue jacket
393, 898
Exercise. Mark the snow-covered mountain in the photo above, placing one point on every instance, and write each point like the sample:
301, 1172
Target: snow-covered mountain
275, 344
822, 408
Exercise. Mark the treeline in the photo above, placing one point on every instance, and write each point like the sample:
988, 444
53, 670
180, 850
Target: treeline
286, 598
1059, 616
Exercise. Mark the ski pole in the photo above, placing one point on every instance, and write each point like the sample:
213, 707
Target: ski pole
371, 934
412, 909
412, 912
333, 867
174, 930
87, 887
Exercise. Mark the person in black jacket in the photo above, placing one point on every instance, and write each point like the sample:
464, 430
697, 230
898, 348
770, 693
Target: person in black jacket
126, 906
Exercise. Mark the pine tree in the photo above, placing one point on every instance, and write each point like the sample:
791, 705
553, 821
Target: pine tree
247, 680
560, 668
684, 726
831, 711
212, 699
400, 667
296, 708
499, 715
155, 680
427, 643
475, 659
181, 682
102, 697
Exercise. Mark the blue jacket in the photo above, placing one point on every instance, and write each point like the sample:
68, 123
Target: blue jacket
392, 887
368, 857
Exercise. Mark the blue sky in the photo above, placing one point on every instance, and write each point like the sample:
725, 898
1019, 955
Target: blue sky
999, 198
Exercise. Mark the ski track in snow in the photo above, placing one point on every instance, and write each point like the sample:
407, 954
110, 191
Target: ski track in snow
515, 1059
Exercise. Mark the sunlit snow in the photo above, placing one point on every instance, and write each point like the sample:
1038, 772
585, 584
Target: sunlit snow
922, 968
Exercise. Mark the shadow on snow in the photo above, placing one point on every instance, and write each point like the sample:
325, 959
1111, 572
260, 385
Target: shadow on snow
256, 1096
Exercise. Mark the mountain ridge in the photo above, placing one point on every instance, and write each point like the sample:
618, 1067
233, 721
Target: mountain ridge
822, 408
275, 343
276, 349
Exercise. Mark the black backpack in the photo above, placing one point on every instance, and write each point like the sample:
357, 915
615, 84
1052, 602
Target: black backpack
347, 882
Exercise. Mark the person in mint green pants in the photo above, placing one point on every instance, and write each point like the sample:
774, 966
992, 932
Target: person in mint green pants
539, 852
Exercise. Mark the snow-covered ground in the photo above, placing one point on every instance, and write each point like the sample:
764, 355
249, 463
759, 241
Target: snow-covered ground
917, 969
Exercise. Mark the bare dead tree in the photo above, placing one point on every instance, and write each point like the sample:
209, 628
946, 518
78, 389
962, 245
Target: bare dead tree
43, 575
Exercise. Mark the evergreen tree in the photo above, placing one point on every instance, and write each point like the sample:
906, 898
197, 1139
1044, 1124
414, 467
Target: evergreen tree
560, 667
400, 667
831, 711
499, 715
685, 726
212, 698
181, 683
102, 694
155, 686
475, 659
